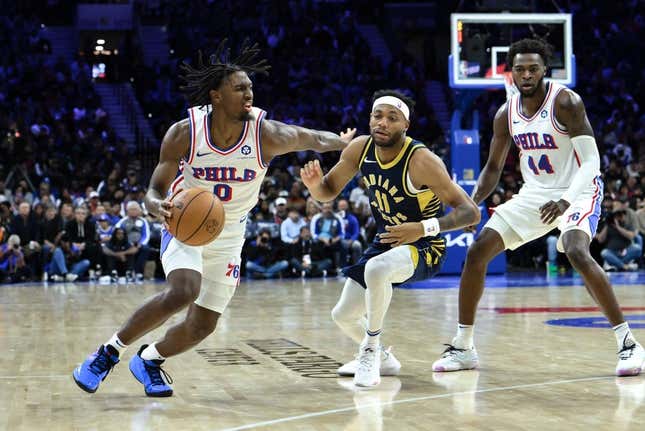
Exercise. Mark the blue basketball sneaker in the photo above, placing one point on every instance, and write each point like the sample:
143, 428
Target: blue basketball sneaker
95, 369
154, 379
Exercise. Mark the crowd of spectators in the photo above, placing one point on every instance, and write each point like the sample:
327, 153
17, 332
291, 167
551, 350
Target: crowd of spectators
57, 146
315, 242
84, 238
72, 204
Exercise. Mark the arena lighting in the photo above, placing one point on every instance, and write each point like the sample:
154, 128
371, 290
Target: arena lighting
98, 48
100, 41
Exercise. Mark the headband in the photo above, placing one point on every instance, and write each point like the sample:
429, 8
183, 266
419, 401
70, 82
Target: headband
394, 101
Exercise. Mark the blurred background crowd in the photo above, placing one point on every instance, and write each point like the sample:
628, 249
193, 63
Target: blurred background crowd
72, 185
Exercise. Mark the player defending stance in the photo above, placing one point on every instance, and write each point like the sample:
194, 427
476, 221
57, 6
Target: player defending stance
407, 185
225, 147
560, 167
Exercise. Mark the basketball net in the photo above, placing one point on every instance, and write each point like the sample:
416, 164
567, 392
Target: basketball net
509, 85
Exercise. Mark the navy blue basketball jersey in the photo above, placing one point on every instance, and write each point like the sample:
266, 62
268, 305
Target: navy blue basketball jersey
392, 198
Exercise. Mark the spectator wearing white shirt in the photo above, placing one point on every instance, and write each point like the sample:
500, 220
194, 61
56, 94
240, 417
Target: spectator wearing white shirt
290, 227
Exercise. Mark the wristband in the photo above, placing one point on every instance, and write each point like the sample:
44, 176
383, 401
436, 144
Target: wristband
431, 227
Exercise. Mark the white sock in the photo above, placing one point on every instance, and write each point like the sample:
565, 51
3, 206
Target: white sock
116, 344
623, 333
464, 338
372, 338
150, 353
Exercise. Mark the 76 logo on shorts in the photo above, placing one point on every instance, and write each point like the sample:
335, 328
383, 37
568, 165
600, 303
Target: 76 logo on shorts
233, 270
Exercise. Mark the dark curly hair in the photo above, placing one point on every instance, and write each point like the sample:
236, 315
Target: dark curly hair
529, 46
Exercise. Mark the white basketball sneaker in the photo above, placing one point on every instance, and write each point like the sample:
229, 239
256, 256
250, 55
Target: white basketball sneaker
631, 359
369, 362
454, 359
390, 366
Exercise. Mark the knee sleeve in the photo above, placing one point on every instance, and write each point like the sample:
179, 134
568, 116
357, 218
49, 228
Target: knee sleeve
393, 266
351, 304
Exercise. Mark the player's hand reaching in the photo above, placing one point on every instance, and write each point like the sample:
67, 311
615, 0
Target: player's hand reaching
552, 210
348, 135
405, 233
311, 174
162, 209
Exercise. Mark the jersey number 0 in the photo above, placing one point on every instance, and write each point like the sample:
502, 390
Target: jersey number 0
223, 191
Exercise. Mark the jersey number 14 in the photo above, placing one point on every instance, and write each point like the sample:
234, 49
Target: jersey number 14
544, 164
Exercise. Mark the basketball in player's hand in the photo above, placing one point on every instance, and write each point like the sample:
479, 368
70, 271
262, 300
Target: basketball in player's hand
197, 216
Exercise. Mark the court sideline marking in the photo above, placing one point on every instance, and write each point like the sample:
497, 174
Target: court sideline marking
411, 400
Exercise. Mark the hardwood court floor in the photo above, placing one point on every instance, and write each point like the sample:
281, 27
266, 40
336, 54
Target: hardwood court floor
270, 365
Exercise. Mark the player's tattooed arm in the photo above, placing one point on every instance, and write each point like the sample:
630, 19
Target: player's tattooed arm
499, 146
427, 171
281, 138
325, 188
175, 145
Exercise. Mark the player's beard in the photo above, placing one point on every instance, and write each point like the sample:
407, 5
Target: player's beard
394, 139
532, 92
246, 116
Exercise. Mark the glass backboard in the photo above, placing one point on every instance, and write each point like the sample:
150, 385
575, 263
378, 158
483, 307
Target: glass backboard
480, 41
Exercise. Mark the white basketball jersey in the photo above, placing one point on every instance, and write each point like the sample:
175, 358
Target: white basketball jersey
233, 174
547, 158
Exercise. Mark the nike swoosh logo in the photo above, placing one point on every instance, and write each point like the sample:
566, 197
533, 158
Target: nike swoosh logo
203, 154
369, 161
515, 122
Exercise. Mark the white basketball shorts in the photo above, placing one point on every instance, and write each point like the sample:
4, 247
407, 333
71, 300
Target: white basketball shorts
518, 220
217, 262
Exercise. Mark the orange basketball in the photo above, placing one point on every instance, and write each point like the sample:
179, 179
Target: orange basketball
197, 216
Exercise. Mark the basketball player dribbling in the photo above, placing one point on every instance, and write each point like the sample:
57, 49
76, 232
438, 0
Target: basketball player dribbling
560, 167
225, 147
407, 186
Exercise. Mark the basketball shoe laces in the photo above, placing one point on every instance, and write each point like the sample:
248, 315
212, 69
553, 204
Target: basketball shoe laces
367, 360
628, 350
450, 350
102, 363
155, 372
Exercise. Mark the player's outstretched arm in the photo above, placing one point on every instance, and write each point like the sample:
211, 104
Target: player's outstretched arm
280, 138
174, 146
500, 144
428, 171
325, 188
